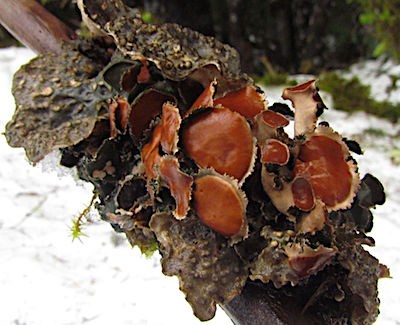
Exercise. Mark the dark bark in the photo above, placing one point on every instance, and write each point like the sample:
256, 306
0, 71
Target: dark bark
260, 304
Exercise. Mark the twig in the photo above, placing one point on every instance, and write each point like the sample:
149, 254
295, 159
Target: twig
260, 304
34, 26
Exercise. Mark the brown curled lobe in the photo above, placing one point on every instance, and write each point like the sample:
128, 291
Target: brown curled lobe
305, 101
274, 119
150, 153
170, 123
179, 183
206, 98
119, 111
246, 101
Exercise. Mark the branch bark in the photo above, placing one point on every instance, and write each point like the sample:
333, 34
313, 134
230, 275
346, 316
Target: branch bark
35, 27
260, 304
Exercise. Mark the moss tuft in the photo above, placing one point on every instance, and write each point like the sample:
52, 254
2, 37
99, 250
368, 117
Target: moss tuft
274, 79
351, 95
78, 223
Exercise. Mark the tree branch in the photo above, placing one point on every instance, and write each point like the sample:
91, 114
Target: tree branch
260, 304
35, 27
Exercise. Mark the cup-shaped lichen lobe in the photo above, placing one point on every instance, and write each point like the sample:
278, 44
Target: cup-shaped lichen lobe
220, 139
275, 152
324, 161
219, 204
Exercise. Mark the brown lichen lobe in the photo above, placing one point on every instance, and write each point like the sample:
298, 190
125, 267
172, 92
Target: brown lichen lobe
178, 52
179, 183
57, 103
208, 269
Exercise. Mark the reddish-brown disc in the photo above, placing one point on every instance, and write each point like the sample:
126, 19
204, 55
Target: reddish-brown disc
303, 194
322, 163
220, 139
218, 204
274, 152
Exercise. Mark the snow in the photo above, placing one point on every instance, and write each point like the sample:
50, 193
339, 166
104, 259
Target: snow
46, 278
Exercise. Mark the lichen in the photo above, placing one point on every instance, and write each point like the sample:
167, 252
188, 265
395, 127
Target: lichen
209, 270
58, 102
187, 158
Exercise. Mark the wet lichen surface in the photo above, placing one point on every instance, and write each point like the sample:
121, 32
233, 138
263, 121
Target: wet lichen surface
185, 155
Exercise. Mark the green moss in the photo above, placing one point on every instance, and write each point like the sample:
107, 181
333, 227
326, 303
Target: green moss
79, 222
85, 32
274, 79
149, 249
144, 239
376, 132
395, 156
351, 95
147, 17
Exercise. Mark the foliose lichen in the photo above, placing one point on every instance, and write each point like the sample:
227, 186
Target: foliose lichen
185, 155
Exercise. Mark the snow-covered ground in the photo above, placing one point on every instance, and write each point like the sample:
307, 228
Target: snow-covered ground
45, 278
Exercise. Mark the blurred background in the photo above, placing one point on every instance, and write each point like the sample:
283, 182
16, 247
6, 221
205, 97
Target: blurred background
300, 36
